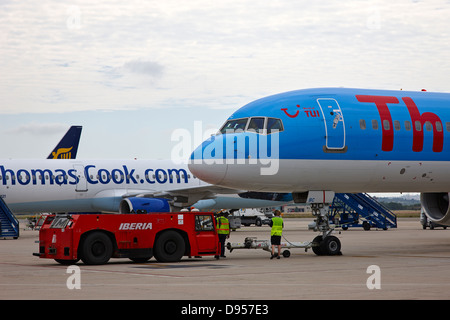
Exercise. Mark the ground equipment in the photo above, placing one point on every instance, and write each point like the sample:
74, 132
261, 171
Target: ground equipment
95, 238
330, 247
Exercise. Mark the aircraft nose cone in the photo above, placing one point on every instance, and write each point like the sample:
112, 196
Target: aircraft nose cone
211, 173
207, 168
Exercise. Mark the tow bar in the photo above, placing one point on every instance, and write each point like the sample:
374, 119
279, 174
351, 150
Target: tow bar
254, 243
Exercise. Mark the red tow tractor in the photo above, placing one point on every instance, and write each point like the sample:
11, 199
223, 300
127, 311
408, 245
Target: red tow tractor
95, 238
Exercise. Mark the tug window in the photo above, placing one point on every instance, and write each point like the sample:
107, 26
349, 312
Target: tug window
204, 223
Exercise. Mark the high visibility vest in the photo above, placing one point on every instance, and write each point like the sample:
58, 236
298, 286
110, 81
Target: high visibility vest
223, 225
277, 226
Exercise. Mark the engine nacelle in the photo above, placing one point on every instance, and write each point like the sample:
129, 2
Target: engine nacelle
144, 205
436, 207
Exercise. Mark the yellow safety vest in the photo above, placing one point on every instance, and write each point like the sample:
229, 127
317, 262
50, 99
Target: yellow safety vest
223, 225
277, 226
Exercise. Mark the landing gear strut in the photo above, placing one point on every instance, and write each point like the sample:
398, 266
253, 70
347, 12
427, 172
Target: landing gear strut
324, 244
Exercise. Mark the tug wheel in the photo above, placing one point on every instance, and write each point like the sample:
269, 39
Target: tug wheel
169, 247
96, 248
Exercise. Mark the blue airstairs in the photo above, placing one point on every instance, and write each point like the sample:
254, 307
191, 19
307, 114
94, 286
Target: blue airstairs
9, 225
360, 210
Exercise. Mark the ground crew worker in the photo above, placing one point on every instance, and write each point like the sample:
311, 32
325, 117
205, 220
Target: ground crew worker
275, 234
223, 230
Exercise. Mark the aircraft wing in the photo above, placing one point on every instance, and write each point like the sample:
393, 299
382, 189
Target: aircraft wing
185, 196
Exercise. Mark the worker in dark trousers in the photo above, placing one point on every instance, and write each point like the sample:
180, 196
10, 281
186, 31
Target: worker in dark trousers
223, 230
275, 234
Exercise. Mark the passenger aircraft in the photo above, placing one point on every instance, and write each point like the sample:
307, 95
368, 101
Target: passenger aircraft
33, 186
115, 186
68, 146
336, 139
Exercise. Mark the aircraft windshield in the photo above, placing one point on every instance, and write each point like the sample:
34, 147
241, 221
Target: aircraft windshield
274, 124
255, 124
233, 125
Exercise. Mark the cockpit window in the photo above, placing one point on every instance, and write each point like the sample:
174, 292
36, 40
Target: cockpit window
259, 125
233, 125
274, 125
256, 124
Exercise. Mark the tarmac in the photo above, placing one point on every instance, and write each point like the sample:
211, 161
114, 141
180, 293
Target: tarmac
403, 263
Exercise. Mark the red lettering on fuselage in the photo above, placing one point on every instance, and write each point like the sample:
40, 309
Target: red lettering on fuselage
381, 102
387, 126
438, 133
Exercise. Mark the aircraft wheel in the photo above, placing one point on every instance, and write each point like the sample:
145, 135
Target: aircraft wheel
286, 253
317, 248
331, 246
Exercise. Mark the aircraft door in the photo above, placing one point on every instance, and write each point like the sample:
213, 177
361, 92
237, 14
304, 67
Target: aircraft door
81, 178
334, 123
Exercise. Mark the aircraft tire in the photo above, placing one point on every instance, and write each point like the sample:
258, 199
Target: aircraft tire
317, 249
331, 246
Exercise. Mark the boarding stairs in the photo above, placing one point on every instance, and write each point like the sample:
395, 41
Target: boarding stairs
360, 210
9, 225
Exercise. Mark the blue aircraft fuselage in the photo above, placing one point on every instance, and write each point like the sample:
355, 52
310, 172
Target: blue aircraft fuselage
345, 140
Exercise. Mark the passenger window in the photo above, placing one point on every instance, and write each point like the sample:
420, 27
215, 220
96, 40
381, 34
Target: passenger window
362, 124
407, 126
418, 125
232, 125
374, 124
256, 125
396, 125
438, 126
386, 125
447, 126
274, 125
428, 126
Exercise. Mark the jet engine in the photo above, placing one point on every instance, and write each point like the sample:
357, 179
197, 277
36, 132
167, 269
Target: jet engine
144, 205
436, 207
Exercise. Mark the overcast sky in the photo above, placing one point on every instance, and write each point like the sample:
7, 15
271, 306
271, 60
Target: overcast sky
134, 72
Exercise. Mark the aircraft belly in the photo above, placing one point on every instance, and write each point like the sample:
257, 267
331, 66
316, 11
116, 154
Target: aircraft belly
343, 176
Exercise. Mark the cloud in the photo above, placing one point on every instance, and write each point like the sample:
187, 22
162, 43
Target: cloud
38, 129
149, 68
